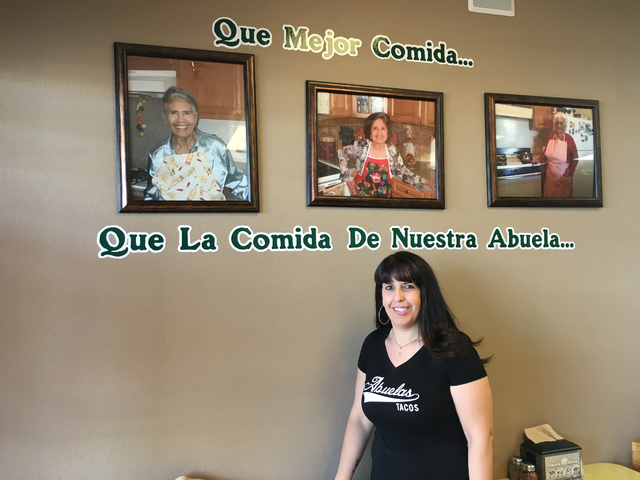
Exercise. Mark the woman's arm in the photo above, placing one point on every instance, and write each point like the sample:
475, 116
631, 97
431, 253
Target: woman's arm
572, 155
236, 180
474, 406
343, 157
356, 435
543, 158
399, 169
359, 151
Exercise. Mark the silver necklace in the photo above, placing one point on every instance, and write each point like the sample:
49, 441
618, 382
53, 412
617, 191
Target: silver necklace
400, 347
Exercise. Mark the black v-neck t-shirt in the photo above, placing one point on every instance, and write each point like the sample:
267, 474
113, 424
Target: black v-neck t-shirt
418, 433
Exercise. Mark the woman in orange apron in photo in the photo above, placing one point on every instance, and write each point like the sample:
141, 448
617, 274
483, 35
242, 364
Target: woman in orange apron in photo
560, 155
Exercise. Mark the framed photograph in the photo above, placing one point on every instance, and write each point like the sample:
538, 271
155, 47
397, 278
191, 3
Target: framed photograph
186, 124
542, 151
374, 147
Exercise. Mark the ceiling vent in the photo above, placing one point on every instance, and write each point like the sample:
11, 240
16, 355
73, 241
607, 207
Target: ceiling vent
493, 7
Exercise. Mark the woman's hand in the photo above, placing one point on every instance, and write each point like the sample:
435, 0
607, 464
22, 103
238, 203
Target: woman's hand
424, 184
571, 169
431, 185
352, 187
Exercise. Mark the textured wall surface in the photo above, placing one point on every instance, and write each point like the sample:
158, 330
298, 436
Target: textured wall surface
234, 365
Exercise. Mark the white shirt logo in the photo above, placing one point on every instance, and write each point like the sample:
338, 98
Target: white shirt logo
375, 391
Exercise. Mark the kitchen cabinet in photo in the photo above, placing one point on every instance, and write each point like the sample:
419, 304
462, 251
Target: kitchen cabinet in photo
414, 112
542, 117
218, 87
358, 106
399, 189
401, 110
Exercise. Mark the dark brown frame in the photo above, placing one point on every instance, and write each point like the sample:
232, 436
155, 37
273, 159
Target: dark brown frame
126, 202
314, 199
491, 99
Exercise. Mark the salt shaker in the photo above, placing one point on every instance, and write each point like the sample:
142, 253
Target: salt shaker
514, 468
528, 472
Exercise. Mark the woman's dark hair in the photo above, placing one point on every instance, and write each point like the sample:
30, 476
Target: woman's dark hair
372, 118
437, 326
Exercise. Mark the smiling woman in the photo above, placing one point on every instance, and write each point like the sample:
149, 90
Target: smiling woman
191, 164
376, 161
542, 151
187, 131
401, 302
421, 383
374, 147
181, 117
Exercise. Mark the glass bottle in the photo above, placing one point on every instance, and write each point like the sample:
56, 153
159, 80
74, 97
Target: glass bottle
528, 472
514, 468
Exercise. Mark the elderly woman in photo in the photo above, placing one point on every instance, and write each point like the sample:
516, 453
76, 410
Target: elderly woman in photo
560, 156
191, 164
376, 162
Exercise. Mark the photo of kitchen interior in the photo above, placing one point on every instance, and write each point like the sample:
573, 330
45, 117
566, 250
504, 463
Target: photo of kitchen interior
221, 113
340, 122
521, 137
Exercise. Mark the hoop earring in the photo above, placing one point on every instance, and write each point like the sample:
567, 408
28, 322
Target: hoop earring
380, 320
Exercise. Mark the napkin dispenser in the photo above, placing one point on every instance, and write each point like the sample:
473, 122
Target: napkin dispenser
554, 460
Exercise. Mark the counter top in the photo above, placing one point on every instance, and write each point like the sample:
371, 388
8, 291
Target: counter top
421, 168
608, 471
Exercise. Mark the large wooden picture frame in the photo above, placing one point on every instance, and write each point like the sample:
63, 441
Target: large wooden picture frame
337, 147
542, 151
220, 172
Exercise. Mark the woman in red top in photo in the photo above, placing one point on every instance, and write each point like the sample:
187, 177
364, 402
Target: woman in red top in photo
560, 156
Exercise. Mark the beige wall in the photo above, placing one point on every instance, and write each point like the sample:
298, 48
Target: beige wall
241, 365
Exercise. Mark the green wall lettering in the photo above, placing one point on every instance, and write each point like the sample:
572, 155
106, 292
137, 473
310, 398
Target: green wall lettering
408, 240
382, 48
207, 242
398, 51
299, 40
315, 43
115, 242
138, 242
295, 39
376, 49
527, 241
234, 238
229, 34
295, 241
359, 238
415, 54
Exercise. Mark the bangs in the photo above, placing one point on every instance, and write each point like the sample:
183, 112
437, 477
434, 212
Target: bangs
398, 270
